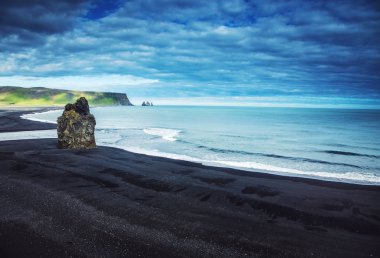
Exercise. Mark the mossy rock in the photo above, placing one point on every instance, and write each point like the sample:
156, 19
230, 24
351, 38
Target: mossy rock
76, 126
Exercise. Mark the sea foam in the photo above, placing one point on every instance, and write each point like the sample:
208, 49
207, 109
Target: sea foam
165, 133
344, 176
32, 116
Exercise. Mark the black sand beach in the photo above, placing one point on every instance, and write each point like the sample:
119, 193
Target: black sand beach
10, 121
107, 202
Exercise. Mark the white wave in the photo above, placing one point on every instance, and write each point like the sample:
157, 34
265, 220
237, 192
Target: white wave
157, 153
32, 116
165, 133
344, 176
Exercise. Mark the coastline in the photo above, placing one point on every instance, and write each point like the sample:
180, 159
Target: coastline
349, 176
110, 202
10, 120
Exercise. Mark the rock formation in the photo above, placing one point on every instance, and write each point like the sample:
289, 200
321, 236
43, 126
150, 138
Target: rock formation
146, 103
76, 126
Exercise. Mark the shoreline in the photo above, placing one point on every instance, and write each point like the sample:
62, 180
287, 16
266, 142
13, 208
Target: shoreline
108, 202
10, 120
32, 125
300, 174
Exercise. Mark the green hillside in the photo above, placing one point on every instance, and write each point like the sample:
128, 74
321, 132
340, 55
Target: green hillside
38, 96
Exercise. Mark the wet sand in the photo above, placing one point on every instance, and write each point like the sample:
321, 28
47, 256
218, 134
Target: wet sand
108, 202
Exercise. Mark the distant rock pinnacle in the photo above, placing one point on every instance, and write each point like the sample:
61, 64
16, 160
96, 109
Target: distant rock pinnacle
147, 103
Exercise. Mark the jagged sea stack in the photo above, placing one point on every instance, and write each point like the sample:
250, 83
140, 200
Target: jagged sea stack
76, 126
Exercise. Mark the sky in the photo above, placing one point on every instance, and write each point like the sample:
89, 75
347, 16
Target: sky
226, 52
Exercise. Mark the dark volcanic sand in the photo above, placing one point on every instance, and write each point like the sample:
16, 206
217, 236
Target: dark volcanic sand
10, 121
108, 202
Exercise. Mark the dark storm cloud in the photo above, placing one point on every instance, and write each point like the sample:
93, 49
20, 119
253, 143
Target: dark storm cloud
28, 22
202, 48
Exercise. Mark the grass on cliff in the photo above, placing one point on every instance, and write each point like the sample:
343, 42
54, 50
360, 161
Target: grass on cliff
23, 97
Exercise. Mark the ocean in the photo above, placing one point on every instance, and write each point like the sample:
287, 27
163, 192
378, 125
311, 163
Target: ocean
329, 144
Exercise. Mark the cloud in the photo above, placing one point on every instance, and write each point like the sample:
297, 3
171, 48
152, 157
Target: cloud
200, 48
115, 83
25, 23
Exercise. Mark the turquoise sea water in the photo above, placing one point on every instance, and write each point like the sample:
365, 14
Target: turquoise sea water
330, 144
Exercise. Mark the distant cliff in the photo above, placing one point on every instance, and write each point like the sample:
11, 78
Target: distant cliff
40, 96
